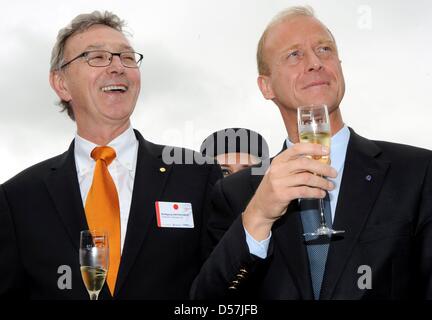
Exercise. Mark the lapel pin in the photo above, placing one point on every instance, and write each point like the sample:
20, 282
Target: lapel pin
368, 177
162, 169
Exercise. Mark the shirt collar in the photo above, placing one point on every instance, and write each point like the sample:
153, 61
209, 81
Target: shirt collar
339, 145
125, 146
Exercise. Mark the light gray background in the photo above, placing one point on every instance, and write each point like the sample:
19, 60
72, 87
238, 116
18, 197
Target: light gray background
199, 71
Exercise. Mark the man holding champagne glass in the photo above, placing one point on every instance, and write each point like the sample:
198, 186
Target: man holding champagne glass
377, 194
110, 180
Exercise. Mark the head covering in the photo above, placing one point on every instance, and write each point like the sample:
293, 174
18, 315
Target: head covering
235, 140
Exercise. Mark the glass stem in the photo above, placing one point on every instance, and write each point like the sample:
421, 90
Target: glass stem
322, 218
94, 295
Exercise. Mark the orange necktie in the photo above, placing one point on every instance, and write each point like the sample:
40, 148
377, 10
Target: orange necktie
102, 208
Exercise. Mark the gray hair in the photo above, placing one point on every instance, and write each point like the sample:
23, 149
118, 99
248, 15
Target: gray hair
285, 15
79, 24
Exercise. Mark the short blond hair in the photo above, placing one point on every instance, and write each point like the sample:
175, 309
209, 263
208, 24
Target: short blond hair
285, 15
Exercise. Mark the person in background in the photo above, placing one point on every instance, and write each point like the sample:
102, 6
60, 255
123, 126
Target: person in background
235, 149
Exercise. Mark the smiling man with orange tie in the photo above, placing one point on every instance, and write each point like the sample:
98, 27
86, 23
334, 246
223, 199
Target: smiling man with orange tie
110, 178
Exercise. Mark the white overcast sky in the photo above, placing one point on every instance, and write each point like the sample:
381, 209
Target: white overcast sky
199, 71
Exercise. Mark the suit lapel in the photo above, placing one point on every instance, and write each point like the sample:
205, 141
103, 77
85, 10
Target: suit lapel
63, 187
288, 233
362, 179
149, 183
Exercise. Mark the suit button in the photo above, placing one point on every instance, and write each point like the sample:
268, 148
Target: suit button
243, 271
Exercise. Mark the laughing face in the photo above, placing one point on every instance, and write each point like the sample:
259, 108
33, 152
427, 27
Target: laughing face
99, 96
304, 65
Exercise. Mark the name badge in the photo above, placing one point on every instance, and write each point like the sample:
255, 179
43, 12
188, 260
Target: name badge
174, 214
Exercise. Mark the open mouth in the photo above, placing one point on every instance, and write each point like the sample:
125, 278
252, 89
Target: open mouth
115, 88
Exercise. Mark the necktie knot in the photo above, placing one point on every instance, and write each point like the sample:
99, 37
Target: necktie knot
106, 154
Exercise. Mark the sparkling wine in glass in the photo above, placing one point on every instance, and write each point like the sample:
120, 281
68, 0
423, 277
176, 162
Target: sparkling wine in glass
314, 127
94, 257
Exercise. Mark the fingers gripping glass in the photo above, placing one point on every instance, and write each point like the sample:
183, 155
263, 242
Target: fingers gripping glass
103, 58
314, 127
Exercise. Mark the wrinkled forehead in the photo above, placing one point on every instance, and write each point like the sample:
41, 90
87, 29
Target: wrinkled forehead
97, 37
295, 31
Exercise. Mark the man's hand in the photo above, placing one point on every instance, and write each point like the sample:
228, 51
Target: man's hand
292, 175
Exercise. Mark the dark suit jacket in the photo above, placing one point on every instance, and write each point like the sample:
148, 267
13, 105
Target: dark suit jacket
385, 207
41, 216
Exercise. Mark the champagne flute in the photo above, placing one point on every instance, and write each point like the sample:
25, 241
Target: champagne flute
314, 127
94, 258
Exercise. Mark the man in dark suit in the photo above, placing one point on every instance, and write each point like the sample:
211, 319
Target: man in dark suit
379, 193
154, 215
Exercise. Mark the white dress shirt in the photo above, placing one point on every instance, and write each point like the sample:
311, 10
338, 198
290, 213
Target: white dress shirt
338, 148
122, 170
